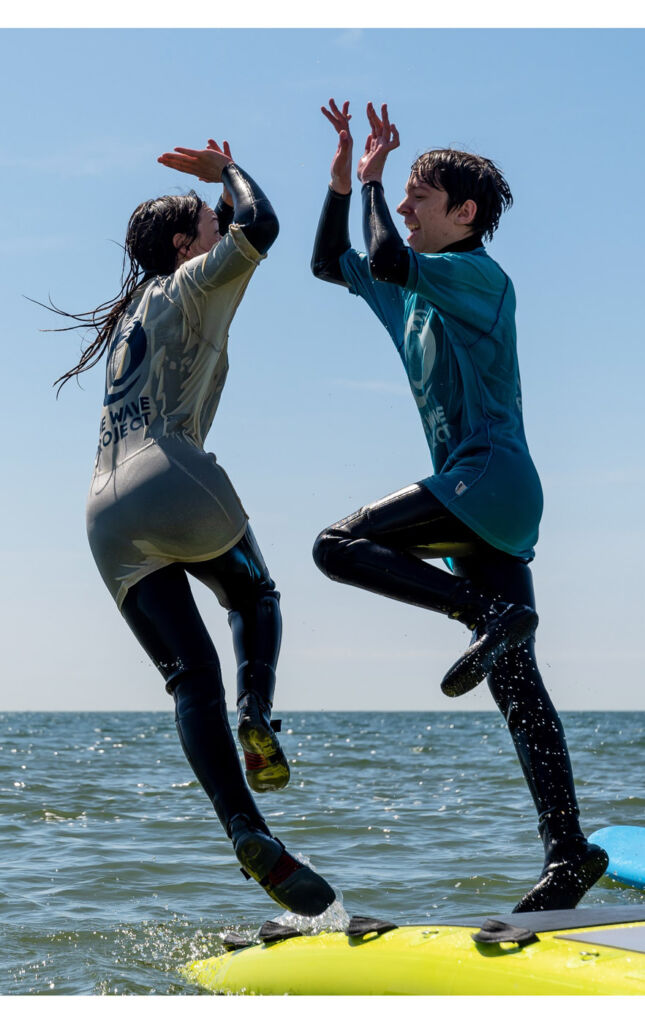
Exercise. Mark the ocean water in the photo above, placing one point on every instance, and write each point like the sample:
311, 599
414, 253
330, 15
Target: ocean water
115, 871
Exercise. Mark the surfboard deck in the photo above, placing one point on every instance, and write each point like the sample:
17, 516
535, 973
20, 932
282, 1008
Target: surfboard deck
625, 847
580, 952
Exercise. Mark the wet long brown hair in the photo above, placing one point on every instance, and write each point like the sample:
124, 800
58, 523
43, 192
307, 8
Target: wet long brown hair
148, 251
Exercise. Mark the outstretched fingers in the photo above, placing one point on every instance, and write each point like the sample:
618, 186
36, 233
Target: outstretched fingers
178, 162
386, 133
344, 113
330, 117
338, 118
372, 117
225, 149
382, 139
206, 164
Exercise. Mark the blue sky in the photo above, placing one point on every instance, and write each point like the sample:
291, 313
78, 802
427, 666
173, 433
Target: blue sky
316, 418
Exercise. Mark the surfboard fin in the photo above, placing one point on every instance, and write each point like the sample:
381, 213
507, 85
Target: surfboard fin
493, 931
273, 931
358, 926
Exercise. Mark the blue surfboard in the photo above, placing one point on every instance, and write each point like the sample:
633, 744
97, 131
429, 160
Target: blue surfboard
625, 847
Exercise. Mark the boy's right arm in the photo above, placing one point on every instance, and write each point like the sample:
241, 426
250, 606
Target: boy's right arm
333, 258
332, 236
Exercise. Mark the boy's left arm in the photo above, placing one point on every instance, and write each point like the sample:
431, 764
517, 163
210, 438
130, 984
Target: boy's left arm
389, 256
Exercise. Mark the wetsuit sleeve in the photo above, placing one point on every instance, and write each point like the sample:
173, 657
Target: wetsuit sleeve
335, 260
224, 214
332, 238
468, 286
389, 256
252, 211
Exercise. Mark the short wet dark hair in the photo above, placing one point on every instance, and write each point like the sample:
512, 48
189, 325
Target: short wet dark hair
466, 176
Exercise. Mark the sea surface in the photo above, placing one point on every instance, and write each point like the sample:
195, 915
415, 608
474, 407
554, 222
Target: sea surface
115, 871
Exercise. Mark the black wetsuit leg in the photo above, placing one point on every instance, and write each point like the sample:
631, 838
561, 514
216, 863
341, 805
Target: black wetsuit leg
374, 549
241, 582
381, 547
519, 692
571, 864
162, 614
161, 611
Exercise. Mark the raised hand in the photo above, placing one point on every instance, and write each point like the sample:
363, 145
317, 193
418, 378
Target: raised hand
383, 138
341, 165
206, 164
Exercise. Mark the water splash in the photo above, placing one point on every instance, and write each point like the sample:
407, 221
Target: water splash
334, 919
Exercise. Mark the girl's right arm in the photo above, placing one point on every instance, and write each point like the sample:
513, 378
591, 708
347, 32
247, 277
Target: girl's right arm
332, 236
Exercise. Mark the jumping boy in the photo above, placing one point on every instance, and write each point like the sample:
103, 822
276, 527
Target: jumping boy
450, 310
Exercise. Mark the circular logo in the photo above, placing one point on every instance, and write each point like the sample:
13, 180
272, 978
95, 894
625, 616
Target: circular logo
421, 352
131, 348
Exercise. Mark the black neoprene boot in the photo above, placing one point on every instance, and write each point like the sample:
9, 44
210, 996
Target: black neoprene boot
266, 765
288, 881
571, 866
500, 628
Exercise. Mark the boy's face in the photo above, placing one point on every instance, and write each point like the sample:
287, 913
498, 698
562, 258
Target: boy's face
426, 216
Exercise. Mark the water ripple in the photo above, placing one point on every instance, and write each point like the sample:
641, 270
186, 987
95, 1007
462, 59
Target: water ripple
116, 872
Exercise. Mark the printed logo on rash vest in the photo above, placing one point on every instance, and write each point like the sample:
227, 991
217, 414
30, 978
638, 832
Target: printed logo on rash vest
125, 420
134, 345
133, 415
421, 352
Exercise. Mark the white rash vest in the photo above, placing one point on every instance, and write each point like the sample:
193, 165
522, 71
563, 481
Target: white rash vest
156, 496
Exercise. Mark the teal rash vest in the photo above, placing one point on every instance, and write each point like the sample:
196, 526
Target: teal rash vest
453, 325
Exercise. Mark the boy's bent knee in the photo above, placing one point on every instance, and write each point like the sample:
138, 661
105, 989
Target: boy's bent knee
321, 549
329, 551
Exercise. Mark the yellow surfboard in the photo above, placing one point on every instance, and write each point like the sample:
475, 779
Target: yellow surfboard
583, 952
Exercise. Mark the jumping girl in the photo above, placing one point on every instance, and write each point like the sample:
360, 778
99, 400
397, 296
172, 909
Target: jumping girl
161, 509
